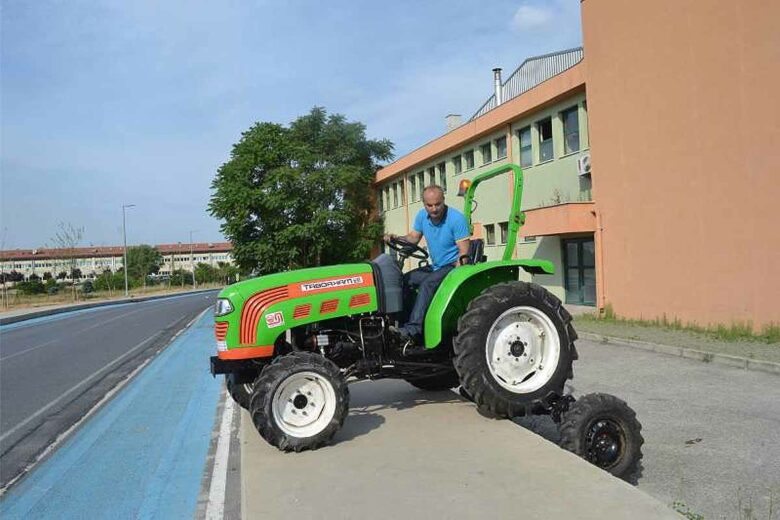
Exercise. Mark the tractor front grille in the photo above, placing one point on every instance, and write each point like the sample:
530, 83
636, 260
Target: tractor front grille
254, 308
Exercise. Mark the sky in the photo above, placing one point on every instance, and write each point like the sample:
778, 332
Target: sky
105, 103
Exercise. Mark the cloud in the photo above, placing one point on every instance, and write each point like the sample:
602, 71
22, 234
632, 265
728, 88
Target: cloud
531, 17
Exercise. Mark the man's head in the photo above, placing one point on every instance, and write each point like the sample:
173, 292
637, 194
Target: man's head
433, 200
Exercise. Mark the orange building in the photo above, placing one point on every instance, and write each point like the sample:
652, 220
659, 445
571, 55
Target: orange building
673, 107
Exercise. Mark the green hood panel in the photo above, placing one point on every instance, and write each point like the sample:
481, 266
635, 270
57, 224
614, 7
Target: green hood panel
466, 283
267, 306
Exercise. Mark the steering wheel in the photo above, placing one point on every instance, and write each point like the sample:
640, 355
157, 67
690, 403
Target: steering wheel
406, 248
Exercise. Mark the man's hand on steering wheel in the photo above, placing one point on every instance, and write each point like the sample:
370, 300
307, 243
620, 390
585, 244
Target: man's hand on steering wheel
405, 248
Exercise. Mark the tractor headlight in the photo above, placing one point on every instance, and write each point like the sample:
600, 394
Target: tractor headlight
222, 307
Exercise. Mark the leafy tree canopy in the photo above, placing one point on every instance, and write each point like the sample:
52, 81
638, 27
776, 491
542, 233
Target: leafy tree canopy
300, 196
142, 261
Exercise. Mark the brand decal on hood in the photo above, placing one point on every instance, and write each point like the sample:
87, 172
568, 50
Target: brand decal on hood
328, 284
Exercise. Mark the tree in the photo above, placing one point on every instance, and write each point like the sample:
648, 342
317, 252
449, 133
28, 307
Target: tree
204, 273
226, 273
31, 287
47, 276
300, 196
181, 277
142, 261
67, 239
75, 274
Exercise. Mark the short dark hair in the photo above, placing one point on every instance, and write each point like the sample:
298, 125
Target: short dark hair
434, 187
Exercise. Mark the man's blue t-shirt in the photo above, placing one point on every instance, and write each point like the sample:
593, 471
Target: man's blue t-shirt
441, 237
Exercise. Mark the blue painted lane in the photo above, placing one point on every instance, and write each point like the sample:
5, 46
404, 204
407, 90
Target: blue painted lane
143, 454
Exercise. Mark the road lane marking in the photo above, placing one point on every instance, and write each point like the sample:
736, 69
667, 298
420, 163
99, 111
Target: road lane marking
109, 395
75, 387
100, 324
215, 508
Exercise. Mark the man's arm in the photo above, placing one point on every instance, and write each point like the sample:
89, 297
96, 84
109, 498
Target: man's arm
412, 236
463, 249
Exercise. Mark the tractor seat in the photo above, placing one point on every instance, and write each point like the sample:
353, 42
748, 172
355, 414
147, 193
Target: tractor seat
476, 252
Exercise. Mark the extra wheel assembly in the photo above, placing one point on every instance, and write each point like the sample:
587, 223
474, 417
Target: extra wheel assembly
604, 430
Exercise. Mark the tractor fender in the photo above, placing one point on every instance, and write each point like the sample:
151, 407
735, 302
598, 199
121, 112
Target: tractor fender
464, 284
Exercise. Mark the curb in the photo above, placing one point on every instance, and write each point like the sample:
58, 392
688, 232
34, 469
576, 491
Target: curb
60, 310
688, 353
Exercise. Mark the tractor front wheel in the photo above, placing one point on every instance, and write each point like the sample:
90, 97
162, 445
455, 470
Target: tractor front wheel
299, 401
240, 392
514, 349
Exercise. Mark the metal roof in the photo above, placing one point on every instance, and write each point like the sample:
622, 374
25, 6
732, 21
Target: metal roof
531, 73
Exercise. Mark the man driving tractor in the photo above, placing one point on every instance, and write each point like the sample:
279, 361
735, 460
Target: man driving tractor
446, 232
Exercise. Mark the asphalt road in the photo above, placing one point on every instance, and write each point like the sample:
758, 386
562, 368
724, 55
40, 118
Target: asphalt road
54, 370
712, 432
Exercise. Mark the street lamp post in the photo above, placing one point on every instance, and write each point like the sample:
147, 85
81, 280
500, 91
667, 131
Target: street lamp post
192, 262
124, 239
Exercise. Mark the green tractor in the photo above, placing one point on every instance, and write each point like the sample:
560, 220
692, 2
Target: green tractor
289, 343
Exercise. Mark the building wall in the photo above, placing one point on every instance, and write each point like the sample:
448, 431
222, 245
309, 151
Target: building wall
685, 132
92, 266
545, 182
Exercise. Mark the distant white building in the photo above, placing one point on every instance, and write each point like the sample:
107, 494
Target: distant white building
93, 261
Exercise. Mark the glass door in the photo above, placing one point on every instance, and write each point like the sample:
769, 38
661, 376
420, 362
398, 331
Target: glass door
579, 263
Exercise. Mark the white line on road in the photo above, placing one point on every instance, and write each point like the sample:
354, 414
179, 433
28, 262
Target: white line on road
100, 324
75, 387
215, 509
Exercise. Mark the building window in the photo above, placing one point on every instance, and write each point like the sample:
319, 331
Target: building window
401, 185
529, 239
501, 147
442, 176
571, 130
524, 137
380, 197
469, 158
545, 140
490, 234
431, 176
458, 164
487, 155
395, 195
387, 197
504, 227
413, 186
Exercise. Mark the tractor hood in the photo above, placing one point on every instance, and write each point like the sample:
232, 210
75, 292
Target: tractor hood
312, 281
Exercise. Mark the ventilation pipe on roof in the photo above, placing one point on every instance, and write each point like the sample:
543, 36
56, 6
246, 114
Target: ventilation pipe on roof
453, 121
497, 84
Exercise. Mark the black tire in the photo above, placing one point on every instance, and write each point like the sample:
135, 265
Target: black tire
478, 379
240, 392
438, 382
604, 430
271, 380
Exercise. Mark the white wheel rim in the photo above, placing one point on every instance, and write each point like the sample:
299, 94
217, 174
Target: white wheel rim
304, 404
522, 349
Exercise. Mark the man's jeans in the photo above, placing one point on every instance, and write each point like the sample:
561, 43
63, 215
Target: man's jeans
426, 281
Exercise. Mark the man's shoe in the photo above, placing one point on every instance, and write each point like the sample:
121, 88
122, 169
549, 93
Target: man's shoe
411, 344
401, 333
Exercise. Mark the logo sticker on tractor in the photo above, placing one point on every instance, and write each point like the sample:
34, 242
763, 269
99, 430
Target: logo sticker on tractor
275, 319
329, 284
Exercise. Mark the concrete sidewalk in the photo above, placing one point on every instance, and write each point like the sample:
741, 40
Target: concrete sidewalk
404, 453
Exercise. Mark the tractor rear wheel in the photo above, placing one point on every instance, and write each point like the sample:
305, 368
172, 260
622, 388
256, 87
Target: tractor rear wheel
299, 401
514, 349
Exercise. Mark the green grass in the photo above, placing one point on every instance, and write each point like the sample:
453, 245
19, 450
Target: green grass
736, 331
